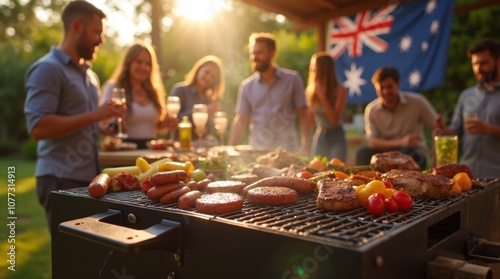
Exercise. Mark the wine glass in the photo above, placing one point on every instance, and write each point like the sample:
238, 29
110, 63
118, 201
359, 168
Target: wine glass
118, 97
200, 119
173, 108
220, 125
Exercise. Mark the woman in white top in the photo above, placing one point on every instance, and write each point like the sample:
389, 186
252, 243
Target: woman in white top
139, 74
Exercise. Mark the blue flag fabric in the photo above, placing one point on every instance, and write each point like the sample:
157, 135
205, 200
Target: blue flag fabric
412, 37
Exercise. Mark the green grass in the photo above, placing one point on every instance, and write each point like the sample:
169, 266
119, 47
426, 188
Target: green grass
32, 238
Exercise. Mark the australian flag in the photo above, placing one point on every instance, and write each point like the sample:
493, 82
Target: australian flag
412, 37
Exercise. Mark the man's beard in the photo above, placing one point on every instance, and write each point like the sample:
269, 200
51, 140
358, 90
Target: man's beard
85, 50
262, 67
491, 76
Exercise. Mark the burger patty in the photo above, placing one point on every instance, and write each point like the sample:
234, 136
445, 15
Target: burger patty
246, 178
269, 195
225, 186
219, 203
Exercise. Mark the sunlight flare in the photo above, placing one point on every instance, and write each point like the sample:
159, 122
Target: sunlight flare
199, 10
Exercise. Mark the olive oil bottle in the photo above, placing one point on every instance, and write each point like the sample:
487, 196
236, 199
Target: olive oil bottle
185, 133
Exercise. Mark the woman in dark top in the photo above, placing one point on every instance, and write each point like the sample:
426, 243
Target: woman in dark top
326, 98
204, 84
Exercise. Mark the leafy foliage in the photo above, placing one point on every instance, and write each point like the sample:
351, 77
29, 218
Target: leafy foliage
25, 38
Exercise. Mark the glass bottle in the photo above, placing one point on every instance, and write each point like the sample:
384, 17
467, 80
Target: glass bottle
185, 133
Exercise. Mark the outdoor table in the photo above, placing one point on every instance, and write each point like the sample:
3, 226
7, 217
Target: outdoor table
128, 157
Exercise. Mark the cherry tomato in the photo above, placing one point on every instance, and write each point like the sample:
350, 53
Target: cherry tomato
404, 200
304, 174
375, 204
388, 184
391, 205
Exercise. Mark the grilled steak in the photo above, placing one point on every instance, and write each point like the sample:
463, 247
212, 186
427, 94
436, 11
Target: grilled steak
420, 185
386, 161
449, 170
336, 195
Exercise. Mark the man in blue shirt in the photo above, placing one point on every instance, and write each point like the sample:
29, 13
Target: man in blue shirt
61, 105
270, 101
480, 137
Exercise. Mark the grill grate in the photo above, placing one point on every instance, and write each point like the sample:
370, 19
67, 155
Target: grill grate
303, 218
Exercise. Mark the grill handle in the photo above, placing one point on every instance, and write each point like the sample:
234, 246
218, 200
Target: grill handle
98, 229
483, 250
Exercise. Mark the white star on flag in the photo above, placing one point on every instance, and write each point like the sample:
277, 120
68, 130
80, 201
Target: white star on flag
405, 43
415, 78
353, 80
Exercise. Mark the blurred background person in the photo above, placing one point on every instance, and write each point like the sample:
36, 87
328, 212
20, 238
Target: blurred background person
269, 102
139, 74
480, 133
327, 99
396, 120
204, 84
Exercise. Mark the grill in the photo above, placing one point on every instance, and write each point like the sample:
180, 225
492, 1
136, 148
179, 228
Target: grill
125, 234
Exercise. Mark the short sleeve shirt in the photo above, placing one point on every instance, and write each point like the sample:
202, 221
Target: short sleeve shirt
56, 85
272, 109
410, 116
479, 152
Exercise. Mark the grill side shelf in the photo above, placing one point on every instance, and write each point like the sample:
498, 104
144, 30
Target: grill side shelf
102, 229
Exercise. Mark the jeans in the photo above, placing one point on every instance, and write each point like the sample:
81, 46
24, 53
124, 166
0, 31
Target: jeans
47, 184
365, 153
330, 143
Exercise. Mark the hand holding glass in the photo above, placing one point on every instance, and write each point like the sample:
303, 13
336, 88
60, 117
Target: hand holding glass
469, 117
118, 97
200, 119
173, 108
220, 125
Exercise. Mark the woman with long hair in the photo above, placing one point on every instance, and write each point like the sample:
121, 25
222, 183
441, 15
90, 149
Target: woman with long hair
139, 74
326, 98
204, 84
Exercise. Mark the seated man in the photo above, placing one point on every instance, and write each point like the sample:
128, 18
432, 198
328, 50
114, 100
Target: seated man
394, 121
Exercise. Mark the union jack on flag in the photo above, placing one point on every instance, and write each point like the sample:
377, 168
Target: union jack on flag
412, 37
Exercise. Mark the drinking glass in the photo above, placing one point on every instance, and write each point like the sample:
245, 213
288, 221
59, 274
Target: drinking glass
200, 119
220, 125
446, 149
118, 97
173, 108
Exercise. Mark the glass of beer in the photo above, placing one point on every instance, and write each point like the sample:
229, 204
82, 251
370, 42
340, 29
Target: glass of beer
469, 117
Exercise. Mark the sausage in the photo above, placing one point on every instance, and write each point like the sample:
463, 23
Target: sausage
167, 177
193, 185
99, 185
173, 196
188, 200
202, 184
159, 191
302, 186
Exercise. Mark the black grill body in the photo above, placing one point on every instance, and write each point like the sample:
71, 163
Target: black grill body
286, 242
